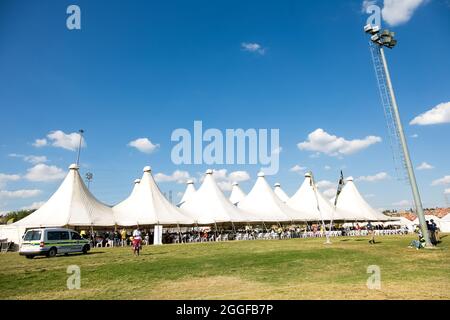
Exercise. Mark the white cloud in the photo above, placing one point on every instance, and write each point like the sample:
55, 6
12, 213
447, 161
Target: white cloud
327, 168
439, 114
34, 205
415, 136
325, 184
442, 181
253, 47
38, 143
402, 203
31, 159
44, 173
5, 178
68, 141
225, 180
239, 176
177, 176
369, 195
376, 177
277, 150
298, 169
322, 142
144, 145
397, 12
19, 194
330, 193
447, 191
425, 166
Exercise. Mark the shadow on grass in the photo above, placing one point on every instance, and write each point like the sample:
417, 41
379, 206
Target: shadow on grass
69, 255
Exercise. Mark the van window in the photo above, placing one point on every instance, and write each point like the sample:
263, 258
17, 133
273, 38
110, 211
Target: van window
34, 235
57, 235
75, 236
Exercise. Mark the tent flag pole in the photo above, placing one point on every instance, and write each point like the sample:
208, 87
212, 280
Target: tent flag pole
318, 208
179, 233
215, 231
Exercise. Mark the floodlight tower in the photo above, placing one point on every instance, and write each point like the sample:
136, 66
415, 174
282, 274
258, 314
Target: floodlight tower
378, 41
89, 177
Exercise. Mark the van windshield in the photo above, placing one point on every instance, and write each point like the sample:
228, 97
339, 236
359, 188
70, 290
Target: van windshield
34, 235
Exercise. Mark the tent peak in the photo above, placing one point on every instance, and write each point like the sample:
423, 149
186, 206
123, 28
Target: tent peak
147, 169
235, 184
74, 166
209, 171
277, 185
137, 181
308, 175
349, 179
190, 182
261, 174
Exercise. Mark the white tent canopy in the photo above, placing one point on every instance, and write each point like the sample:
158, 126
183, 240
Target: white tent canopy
190, 190
71, 205
265, 204
209, 205
403, 222
428, 218
280, 192
146, 205
352, 204
311, 201
236, 194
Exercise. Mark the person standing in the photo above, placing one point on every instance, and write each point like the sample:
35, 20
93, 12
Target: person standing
371, 232
137, 240
123, 235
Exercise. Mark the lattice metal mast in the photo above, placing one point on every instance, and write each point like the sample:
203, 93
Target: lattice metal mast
380, 40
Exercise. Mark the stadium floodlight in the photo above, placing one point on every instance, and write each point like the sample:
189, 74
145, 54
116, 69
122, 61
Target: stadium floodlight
368, 28
380, 40
375, 38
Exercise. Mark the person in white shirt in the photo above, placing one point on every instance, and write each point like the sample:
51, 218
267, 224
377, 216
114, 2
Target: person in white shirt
137, 239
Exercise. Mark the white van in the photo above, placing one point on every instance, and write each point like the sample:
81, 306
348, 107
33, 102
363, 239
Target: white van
52, 241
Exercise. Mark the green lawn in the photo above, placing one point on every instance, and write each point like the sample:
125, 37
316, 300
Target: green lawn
288, 269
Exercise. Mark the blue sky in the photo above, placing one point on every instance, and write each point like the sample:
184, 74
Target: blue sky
141, 69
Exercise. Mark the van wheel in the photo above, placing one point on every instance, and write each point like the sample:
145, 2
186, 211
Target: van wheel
30, 257
51, 253
86, 248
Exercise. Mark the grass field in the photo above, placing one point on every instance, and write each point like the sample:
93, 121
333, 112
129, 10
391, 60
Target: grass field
288, 269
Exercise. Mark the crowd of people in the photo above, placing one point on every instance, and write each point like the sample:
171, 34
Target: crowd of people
125, 237
433, 231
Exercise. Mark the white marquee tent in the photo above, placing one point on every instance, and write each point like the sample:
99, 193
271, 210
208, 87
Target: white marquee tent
429, 217
314, 203
190, 190
402, 222
352, 204
445, 223
236, 194
146, 205
280, 192
265, 204
71, 205
209, 205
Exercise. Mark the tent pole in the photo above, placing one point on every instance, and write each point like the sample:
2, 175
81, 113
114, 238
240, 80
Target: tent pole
179, 233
